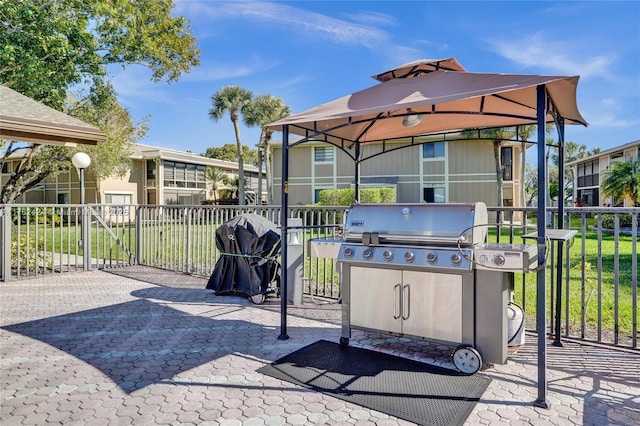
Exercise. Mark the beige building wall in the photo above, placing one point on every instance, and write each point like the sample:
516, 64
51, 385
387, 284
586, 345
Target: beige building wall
134, 187
466, 173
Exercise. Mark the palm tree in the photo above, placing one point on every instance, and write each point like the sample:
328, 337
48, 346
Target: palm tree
234, 100
216, 177
622, 181
261, 111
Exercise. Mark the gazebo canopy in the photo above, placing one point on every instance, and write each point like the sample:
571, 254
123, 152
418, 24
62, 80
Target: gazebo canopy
438, 101
26, 120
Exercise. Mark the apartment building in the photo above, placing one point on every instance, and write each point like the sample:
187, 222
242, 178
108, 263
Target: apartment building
589, 173
158, 176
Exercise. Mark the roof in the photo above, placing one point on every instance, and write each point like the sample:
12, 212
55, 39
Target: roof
23, 119
439, 101
148, 152
418, 67
606, 152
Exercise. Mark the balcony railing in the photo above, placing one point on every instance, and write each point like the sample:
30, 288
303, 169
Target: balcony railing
599, 285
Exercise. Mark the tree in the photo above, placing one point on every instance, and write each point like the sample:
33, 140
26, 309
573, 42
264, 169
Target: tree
217, 178
48, 47
232, 100
623, 181
111, 158
229, 152
262, 111
572, 152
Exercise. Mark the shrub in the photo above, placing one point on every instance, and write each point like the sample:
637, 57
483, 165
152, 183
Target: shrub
27, 251
346, 196
609, 220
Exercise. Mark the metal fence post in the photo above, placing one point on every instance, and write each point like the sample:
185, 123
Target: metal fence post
138, 236
5, 241
86, 237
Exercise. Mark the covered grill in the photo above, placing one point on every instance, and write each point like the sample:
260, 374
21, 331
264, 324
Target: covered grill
425, 270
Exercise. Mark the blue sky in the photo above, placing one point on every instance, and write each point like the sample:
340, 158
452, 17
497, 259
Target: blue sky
311, 52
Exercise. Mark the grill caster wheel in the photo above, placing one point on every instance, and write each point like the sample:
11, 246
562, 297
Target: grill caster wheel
258, 299
344, 341
467, 360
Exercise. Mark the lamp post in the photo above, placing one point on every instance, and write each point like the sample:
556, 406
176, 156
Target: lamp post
81, 161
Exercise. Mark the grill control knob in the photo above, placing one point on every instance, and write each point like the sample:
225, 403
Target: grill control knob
387, 255
499, 260
432, 257
456, 259
367, 253
409, 256
348, 252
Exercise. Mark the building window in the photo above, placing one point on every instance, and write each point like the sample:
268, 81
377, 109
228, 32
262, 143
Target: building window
587, 198
433, 195
506, 160
433, 150
322, 154
151, 169
63, 198
7, 168
122, 201
183, 175
589, 175
117, 198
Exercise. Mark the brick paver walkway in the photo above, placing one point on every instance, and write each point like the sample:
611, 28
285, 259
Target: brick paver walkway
142, 346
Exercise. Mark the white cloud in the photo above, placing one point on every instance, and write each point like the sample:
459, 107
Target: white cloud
373, 18
563, 56
301, 21
215, 71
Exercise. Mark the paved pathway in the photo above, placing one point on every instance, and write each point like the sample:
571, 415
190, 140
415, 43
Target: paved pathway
142, 346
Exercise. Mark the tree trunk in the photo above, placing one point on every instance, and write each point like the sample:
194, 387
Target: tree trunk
496, 155
260, 160
267, 170
241, 199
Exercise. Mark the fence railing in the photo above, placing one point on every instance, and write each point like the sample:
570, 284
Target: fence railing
600, 269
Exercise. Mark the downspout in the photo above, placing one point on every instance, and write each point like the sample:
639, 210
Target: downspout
541, 288
283, 232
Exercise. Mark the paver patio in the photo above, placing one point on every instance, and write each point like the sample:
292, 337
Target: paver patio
138, 345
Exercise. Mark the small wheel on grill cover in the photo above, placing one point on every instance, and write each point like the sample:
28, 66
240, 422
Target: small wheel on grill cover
344, 341
466, 359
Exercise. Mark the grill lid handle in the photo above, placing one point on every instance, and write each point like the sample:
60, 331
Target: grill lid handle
370, 238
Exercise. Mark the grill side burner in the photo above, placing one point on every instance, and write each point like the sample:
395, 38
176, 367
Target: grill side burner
410, 269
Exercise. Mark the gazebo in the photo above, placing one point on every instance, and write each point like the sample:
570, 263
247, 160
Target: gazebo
23, 119
439, 97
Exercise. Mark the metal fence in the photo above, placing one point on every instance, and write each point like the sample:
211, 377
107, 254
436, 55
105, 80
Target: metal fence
599, 287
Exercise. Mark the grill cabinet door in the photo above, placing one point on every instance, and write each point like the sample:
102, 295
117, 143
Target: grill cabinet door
376, 298
433, 307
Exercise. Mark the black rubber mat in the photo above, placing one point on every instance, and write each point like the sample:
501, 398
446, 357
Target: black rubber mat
404, 388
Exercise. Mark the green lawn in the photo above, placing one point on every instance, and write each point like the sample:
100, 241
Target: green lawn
165, 243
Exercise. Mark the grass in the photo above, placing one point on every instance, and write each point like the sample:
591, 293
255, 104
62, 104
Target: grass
164, 244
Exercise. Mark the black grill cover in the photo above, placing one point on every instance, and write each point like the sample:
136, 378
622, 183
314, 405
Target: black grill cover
249, 246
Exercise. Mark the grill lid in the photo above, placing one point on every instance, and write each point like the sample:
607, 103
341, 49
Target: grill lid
450, 223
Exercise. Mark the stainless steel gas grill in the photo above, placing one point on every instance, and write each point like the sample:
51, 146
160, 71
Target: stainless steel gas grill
410, 269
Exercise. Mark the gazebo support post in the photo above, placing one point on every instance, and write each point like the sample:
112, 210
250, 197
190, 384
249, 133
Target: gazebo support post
541, 289
283, 233
357, 175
